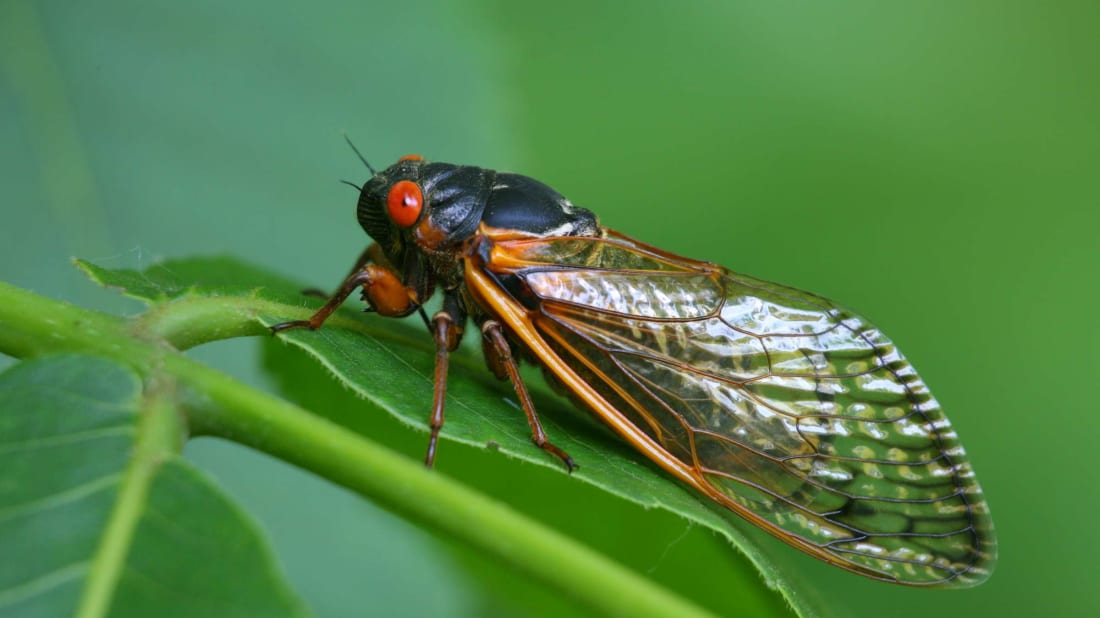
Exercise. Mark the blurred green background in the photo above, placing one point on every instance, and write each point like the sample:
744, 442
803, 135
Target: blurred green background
932, 165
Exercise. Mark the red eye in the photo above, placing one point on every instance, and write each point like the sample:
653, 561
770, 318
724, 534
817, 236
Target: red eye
404, 203
411, 157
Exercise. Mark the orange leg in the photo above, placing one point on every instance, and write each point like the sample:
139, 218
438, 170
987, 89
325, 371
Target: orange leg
381, 288
502, 353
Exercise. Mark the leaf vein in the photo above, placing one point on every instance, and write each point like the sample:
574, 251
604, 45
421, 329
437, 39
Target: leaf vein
63, 439
41, 584
60, 498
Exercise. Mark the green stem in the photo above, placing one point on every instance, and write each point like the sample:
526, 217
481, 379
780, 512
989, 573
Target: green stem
32, 325
188, 322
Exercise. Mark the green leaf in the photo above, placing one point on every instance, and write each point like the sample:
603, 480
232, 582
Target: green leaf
390, 364
205, 276
103, 515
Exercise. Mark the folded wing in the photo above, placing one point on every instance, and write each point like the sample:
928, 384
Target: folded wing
801, 416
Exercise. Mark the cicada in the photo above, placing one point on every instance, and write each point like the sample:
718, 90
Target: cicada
777, 404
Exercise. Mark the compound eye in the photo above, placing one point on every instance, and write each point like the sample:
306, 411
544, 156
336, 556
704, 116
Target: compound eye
404, 203
411, 157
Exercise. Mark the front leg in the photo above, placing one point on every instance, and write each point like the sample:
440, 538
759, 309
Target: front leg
382, 290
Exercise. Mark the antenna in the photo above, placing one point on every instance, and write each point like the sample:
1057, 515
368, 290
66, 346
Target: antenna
359, 154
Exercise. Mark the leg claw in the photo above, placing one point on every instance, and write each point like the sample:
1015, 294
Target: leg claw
278, 328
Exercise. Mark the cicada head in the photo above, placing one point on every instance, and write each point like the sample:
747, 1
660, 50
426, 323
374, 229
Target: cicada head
416, 205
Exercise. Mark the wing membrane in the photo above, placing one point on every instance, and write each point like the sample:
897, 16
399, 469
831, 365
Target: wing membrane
798, 414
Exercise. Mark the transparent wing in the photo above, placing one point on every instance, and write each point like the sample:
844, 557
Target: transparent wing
800, 415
